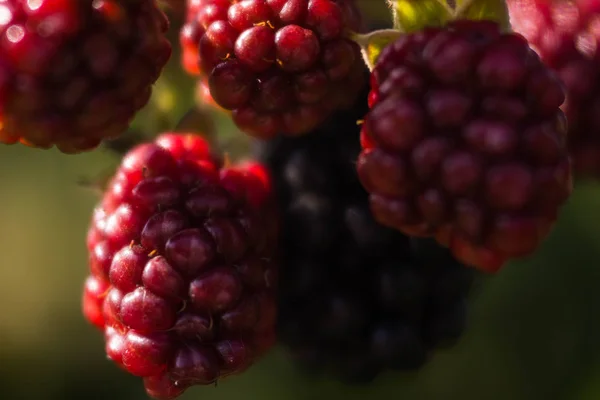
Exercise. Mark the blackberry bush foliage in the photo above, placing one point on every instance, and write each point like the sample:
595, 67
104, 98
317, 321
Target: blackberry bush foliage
183, 265
75, 72
465, 141
281, 66
356, 297
566, 35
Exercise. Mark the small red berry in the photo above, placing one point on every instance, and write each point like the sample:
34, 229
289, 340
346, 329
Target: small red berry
566, 35
279, 66
182, 255
73, 73
463, 125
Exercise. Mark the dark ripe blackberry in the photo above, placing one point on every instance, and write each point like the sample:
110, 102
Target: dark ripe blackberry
75, 72
183, 262
566, 36
465, 142
356, 298
280, 66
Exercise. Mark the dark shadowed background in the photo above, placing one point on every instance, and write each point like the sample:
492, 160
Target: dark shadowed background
534, 328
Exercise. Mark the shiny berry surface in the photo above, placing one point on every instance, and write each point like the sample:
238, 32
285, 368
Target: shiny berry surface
73, 72
566, 35
465, 142
183, 258
280, 67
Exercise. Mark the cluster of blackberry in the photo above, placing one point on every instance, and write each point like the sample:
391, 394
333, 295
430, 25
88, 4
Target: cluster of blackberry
355, 297
370, 230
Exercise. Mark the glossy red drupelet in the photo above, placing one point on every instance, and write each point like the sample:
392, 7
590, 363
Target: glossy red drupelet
189, 38
465, 141
74, 72
281, 66
203, 96
182, 260
566, 35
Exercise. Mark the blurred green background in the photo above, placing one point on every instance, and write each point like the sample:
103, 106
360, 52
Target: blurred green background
534, 328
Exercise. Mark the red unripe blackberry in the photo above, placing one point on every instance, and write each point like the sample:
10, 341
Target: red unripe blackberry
566, 35
280, 66
465, 141
75, 72
182, 256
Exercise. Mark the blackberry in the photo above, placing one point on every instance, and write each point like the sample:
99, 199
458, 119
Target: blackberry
75, 72
465, 141
183, 265
280, 65
355, 297
566, 35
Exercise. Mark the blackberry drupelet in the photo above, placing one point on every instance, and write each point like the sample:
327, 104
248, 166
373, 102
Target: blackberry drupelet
356, 298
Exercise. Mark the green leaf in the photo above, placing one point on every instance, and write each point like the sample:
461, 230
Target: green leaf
373, 43
414, 15
494, 10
